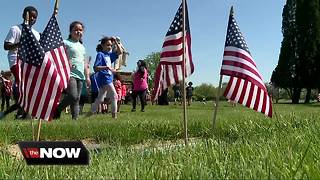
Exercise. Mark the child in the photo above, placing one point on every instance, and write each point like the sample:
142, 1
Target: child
11, 44
118, 87
79, 70
189, 92
140, 85
102, 66
6, 91
123, 93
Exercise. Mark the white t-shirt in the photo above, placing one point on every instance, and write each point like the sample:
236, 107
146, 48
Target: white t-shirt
13, 37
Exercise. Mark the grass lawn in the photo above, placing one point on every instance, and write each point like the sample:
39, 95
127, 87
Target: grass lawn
146, 145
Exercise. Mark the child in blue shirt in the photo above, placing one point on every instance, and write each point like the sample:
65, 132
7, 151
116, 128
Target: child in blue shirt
102, 66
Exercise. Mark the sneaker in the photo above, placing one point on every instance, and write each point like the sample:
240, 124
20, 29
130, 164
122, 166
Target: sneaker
133, 110
114, 115
142, 110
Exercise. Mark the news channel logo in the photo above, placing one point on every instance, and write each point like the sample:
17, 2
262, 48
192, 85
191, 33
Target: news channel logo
54, 152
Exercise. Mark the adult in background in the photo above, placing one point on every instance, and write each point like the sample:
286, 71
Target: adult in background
11, 44
140, 85
189, 93
103, 66
79, 70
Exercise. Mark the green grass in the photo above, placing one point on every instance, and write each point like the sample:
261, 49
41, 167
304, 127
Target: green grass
244, 144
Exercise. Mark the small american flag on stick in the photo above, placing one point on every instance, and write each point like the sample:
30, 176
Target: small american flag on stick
245, 85
169, 70
44, 70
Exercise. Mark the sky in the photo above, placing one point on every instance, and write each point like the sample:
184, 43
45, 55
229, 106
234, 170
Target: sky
142, 25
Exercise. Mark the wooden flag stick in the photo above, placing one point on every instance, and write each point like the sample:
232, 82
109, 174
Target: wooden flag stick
39, 128
184, 74
56, 7
217, 103
32, 125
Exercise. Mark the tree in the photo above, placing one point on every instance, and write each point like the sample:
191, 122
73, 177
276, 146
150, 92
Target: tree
308, 38
152, 60
286, 74
206, 91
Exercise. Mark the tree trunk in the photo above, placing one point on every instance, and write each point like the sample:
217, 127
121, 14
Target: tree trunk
296, 95
307, 100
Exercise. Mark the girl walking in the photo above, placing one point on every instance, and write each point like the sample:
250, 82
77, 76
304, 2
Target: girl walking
140, 85
105, 57
79, 70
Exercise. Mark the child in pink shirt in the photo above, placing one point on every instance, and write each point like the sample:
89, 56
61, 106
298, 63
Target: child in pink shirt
140, 85
123, 93
118, 87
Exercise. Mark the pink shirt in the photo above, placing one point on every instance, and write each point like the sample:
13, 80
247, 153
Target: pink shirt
118, 87
140, 82
124, 90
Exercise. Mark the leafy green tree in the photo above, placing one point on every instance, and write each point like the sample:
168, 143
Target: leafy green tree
152, 61
207, 91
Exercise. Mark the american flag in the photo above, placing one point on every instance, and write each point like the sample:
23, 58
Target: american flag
169, 70
44, 70
245, 85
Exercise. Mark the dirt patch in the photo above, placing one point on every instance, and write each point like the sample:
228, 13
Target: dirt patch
14, 150
164, 145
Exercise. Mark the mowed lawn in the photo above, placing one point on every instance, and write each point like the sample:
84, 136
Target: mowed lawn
145, 145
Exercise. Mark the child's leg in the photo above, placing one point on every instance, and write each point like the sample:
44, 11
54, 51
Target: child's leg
134, 100
2, 102
99, 99
112, 94
118, 105
142, 96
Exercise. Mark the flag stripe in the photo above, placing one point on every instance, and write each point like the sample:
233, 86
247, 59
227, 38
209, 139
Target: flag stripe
243, 65
39, 86
245, 84
30, 89
242, 73
235, 89
173, 42
239, 53
172, 53
172, 47
246, 77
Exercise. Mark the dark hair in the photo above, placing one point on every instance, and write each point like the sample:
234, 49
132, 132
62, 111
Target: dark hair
28, 9
72, 25
142, 63
116, 76
102, 41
